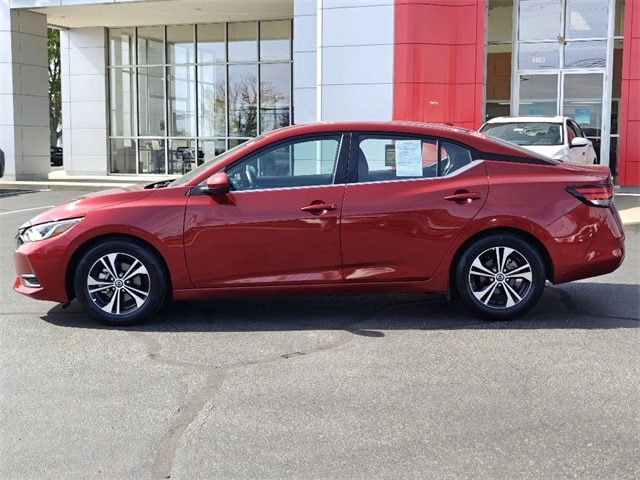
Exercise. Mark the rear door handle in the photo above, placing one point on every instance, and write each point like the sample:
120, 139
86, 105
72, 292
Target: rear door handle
319, 208
463, 197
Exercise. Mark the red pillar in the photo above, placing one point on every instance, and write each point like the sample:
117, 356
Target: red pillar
439, 61
629, 146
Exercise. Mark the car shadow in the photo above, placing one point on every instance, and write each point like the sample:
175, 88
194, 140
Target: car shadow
578, 305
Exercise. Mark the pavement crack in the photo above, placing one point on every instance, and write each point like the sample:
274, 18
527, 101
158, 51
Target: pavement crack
215, 376
171, 440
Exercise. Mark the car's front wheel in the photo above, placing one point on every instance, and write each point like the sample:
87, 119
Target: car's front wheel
120, 282
500, 277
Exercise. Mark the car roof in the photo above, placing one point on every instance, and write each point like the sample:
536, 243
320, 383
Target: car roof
555, 119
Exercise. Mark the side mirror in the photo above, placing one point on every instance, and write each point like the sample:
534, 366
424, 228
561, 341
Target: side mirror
579, 142
218, 184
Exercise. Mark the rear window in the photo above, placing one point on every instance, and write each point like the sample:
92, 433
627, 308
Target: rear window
526, 133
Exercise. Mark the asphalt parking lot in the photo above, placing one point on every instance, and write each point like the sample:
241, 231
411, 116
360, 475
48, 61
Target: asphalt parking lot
334, 387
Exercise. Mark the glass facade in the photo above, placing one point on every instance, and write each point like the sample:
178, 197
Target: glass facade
558, 57
182, 94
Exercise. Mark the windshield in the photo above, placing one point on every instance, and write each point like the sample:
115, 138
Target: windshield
526, 133
184, 179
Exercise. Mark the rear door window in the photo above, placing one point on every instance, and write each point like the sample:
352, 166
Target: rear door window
391, 158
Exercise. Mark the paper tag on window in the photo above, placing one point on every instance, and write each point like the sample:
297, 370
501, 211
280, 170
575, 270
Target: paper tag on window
408, 158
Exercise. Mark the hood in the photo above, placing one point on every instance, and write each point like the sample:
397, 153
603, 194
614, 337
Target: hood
80, 206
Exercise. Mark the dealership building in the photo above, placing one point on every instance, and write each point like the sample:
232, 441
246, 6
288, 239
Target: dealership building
154, 86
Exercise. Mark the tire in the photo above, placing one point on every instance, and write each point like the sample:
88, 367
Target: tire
120, 282
500, 277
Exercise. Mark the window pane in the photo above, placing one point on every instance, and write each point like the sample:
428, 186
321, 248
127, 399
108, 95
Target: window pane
212, 93
586, 18
500, 21
209, 149
275, 40
122, 97
182, 101
243, 42
397, 158
619, 21
585, 54
499, 72
182, 156
315, 157
539, 19
300, 163
180, 44
527, 133
242, 100
234, 142
452, 158
151, 153
123, 156
275, 96
539, 56
538, 95
151, 119
121, 50
211, 47
150, 45
583, 99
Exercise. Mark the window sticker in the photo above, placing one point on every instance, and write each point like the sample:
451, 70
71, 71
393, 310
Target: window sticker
409, 158
390, 155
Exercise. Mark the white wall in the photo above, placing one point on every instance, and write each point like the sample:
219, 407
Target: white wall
24, 97
305, 58
351, 43
84, 101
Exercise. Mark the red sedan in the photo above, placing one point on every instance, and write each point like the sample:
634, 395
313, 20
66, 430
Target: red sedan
332, 208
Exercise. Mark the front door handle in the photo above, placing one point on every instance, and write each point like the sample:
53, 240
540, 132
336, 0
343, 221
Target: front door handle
318, 207
463, 196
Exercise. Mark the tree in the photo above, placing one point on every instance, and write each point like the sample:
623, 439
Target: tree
55, 95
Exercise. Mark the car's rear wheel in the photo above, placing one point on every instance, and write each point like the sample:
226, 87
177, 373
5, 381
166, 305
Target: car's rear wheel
120, 282
500, 277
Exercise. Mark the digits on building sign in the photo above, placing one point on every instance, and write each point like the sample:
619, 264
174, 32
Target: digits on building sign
539, 60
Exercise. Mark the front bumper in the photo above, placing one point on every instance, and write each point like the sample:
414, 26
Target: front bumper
41, 270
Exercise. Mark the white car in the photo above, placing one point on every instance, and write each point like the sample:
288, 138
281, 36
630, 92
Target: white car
556, 137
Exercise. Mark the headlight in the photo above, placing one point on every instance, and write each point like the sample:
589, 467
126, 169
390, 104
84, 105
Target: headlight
45, 230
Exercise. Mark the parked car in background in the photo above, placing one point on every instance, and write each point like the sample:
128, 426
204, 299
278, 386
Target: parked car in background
556, 137
332, 208
56, 156
1, 163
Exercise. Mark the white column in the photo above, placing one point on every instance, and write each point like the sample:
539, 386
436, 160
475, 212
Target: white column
84, 101
24, 94
305, 58
343, 60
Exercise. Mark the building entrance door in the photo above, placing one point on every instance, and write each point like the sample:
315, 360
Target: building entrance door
562, 65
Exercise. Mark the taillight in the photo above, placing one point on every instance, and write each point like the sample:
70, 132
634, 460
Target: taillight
593, 195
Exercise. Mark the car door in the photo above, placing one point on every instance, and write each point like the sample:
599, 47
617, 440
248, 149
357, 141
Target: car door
280, 223
406, 201
579, 154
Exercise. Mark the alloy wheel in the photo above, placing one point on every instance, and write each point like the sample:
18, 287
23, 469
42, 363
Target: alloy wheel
500, 277
118, 283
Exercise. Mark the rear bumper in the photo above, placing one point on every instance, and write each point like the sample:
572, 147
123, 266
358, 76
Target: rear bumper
589, 241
